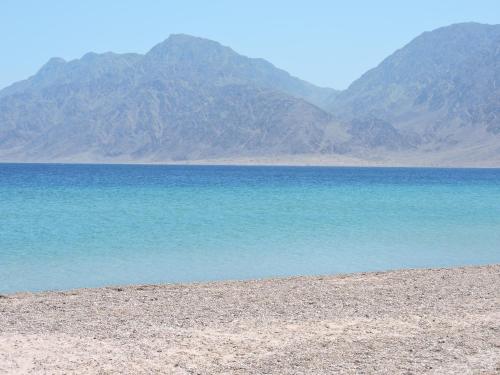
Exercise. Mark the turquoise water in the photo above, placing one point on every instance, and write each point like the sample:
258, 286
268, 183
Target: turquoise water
68, 226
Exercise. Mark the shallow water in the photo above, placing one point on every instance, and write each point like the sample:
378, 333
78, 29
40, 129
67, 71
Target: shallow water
68, 226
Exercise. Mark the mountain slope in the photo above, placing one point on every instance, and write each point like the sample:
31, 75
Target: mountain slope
187, 98
180, 56
436, 101
200, 59
441, 90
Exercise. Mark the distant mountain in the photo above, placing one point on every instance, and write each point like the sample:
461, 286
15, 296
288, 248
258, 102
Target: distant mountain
436, 101
187, 98
198, 59
439, 92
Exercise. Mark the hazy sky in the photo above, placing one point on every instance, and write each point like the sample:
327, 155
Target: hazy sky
329, 43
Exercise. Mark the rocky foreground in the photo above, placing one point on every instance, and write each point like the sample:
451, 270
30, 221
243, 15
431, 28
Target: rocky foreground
444, 321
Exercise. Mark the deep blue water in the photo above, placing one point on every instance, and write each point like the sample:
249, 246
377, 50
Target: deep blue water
68, 226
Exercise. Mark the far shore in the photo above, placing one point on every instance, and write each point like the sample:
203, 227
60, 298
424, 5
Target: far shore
440, 321
398, 160
272, 163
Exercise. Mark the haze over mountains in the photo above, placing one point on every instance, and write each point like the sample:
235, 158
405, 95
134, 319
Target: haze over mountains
435, 101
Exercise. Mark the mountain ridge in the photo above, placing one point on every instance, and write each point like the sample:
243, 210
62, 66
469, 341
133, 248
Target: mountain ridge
175, 102
190, 98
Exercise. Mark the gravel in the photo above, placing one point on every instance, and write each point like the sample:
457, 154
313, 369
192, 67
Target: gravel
443, 321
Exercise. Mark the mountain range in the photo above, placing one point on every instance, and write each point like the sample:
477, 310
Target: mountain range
436, 101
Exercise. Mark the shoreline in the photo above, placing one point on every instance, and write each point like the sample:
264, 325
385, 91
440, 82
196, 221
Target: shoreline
289, 161
444, 320
207, 283
257, 165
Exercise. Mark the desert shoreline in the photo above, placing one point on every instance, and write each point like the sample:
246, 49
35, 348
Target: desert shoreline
285, 161
431, 321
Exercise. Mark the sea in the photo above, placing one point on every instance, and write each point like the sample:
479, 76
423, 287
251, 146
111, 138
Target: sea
65, 226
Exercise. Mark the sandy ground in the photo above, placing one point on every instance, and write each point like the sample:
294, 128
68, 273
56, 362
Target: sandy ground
443, 321
398, 160
482, 157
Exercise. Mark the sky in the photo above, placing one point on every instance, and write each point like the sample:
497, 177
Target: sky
329, 43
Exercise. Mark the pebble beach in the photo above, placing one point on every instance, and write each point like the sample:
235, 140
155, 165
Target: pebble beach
440, 321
